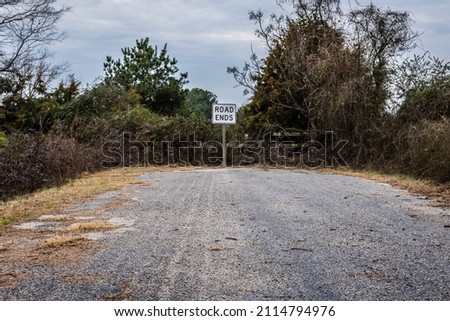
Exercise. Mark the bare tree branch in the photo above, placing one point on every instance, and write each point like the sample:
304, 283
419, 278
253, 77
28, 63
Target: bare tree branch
25, 27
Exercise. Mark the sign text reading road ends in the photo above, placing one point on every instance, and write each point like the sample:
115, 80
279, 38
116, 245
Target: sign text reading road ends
224, 114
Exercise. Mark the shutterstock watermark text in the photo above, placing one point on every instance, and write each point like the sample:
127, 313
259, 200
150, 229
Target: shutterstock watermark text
187, 150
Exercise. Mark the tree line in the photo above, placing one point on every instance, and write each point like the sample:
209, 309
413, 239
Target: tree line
330, 68
327, 69
49, 134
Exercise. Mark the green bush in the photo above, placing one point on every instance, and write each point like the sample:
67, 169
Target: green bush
432, 102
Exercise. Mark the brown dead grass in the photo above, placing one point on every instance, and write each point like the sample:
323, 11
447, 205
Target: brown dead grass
63, 240
10, 278
91, 226
55, 200
439, 192
36, 247
63, 245
72, 252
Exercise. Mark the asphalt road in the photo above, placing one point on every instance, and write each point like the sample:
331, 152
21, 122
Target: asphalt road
253, 234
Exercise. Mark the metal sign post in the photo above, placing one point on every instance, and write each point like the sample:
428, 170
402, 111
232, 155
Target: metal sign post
224, 114
224, 145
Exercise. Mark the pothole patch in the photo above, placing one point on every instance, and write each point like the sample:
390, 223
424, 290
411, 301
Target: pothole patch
94, 236
36, 225
121, 221
55, 218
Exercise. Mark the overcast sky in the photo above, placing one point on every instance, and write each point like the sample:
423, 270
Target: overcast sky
205, 36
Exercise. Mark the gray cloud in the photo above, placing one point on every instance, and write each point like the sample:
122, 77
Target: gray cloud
205, 36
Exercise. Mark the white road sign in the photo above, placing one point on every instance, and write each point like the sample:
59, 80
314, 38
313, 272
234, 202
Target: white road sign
224, 114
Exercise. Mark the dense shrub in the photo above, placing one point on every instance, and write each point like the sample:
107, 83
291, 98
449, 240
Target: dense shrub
427, 151
429, 102
142, 137
33, 161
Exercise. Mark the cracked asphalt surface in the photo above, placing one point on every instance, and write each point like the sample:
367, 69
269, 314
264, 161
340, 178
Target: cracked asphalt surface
254, 234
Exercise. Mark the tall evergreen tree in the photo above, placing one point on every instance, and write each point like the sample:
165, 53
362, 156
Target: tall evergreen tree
152, 73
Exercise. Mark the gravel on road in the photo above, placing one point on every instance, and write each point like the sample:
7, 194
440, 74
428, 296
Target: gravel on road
255, 234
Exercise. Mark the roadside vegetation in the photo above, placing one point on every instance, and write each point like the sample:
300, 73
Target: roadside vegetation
438, 193
329, 69
56, 199
326, 70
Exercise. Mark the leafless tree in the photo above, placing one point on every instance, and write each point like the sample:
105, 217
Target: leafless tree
319, 10
26, 27
381, 36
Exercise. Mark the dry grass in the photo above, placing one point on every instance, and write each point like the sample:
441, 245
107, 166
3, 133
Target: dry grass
55, 200
91, 226
62, 240
11, 278
64, 244
441, 192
